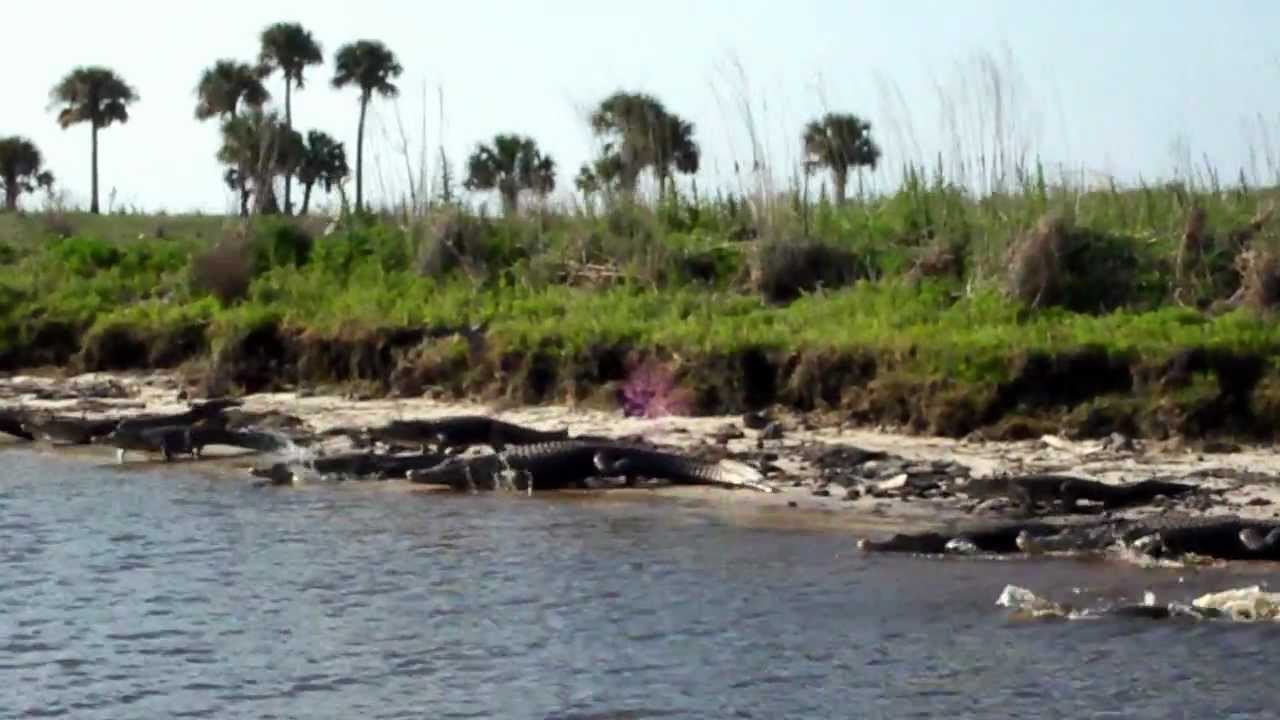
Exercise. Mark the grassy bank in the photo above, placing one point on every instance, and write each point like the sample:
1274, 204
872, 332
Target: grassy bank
1144, 311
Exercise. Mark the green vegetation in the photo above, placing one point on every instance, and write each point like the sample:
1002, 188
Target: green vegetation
926, 307
1143, 310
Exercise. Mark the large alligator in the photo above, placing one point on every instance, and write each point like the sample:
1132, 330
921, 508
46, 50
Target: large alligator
571, 463
462, 431
351, 465
1066, 492
1224, 537
83, 431
171, 440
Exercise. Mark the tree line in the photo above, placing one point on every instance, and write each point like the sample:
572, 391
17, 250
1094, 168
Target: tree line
259, 145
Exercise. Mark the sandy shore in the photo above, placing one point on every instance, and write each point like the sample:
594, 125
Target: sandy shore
815, 463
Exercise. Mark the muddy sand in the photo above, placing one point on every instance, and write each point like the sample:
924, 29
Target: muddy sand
867, 482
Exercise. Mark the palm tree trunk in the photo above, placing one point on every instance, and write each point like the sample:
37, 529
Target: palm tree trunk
93, 200
306, 198
627, 180
288, 126
510, 203
364, 106
11, 194
839, 177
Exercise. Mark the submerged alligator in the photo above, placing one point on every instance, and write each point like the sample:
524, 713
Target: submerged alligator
571, 463
1066, 492
1224, 537
462, 431
350, 465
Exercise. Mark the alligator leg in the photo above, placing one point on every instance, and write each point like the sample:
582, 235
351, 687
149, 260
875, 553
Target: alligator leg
615, 467
1022, 497
1067, 493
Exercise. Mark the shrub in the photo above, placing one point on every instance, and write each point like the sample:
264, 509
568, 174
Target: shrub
1057, 264
455, 241
279, 243
225, 270
785, 270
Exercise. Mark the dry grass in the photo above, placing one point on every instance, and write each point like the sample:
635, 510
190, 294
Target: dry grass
1259, 279
224, 270
1037, 262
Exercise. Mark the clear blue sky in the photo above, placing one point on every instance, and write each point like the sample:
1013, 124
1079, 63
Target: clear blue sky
1101, 86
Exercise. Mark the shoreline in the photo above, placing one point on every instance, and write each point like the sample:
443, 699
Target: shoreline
820, 488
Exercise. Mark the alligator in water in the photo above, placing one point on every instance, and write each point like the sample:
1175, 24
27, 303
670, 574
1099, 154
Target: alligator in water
462, 431
571, 463
1065, 491
1220, 537
351, 465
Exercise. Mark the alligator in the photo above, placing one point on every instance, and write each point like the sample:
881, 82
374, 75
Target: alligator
462, 431
65, 430
351, 465
61, 430
171, 440
11, 424
571, 463
1221, 537
1065, 491
207, 413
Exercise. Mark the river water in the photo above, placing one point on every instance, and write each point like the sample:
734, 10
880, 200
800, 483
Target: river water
174, 593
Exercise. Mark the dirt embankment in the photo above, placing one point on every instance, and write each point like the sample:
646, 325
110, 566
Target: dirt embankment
1195, 393
830, 474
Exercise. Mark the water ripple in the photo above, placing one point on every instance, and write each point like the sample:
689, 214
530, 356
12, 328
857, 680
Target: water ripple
159, 593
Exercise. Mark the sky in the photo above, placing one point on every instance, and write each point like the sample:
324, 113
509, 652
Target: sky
1095, 88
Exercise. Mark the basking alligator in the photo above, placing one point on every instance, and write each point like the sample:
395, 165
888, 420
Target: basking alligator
1221, 537
67, 430
11, 424
461, 431
82, 431
354, 465
570, 463
1066, 491
171, 440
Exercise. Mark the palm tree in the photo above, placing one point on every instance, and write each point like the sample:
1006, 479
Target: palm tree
509, 164
20, 172
96, 95
225, 86
674, 145
258, 147
324, 161
630, 121
642, 133
288, 47
839, 141
370, 66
